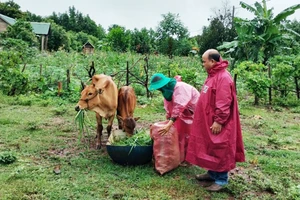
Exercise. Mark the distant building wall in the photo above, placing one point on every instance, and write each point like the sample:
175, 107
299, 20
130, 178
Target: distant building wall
88, 48
3, 26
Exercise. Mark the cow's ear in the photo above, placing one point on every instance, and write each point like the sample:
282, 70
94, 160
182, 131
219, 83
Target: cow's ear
106, 82
95, 79
136, 118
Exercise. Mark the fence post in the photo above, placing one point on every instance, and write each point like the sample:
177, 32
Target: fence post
41, 68
127, 73
59, 88
68, 80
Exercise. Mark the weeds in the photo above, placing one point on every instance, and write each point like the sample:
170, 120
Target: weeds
7, 157
271, 170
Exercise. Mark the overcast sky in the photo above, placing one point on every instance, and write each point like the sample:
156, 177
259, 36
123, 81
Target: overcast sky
148, 13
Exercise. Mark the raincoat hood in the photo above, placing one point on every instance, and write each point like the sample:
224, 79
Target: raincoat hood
223, 64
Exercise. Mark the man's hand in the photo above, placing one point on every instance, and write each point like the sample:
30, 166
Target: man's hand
166, 128
216, 128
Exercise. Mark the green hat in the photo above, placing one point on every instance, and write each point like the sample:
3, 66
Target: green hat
157, 81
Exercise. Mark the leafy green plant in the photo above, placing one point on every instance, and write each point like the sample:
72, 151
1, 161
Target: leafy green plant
32, 126
23, 100
12, 80
296, 110
7, 157
256, 78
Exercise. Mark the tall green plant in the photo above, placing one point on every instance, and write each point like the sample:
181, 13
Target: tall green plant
286, 74
12, 80
256, 78
258, 39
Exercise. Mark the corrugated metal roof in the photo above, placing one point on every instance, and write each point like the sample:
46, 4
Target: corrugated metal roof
8, 20
39, 28
87, 43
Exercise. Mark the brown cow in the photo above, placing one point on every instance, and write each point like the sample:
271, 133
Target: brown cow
101, 97
126, 106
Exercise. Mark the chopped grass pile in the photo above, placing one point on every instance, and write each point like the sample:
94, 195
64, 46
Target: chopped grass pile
141, 138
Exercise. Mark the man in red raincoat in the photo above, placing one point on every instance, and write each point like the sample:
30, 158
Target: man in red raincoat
216, 138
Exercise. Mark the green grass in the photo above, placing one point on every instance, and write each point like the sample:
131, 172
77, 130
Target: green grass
42, 139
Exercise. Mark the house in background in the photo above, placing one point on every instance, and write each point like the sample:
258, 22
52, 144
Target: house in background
41, 29
88, 48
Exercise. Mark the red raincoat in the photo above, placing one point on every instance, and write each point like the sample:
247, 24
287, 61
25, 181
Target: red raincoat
218, 103
182, 107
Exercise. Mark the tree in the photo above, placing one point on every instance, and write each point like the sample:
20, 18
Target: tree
220, 29
212, 36
294, 44
183, 47
169, 32
11, 9
58, 38
141, 41
74, 20
224, 14
118, 38
21, 30
31, 17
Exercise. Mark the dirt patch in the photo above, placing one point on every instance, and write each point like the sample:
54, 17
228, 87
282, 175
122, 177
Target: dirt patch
57, 121
144, 125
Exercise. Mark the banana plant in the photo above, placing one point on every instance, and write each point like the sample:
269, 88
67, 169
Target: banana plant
259, 38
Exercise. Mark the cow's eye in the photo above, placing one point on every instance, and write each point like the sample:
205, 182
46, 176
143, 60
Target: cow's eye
90, 93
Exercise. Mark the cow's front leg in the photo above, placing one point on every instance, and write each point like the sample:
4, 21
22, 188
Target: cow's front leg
109, 124
99, 131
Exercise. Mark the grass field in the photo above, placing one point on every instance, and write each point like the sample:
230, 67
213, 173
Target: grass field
43, 137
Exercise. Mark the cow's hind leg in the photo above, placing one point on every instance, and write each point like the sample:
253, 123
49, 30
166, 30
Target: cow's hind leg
99, 131
119, 120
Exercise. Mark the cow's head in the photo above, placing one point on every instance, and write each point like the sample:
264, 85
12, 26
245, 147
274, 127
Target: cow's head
89, 98
128, 124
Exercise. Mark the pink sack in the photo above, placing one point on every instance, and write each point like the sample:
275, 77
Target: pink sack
165, 148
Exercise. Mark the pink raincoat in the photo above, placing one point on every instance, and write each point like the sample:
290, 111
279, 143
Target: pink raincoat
218, 103
182, 107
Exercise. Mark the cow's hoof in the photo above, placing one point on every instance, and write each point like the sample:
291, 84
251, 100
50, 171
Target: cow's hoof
98, 146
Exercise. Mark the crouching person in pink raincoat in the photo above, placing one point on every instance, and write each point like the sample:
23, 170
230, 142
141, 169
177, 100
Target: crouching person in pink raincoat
180, 101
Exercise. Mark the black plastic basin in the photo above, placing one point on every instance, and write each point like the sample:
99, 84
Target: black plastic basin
128, 155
